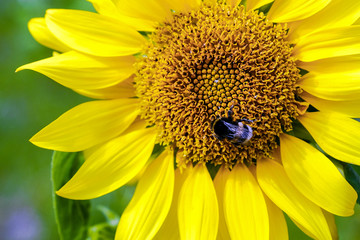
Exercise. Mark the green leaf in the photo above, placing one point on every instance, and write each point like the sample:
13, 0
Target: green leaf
106, 230
266, 8
212, 169
102, 231
301, 132
112, 218
353, 177
72, 216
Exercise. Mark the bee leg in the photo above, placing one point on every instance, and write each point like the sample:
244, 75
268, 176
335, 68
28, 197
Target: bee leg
218, 137
246, 120
230, 112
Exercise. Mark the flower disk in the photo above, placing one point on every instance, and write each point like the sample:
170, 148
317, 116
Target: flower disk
201, 64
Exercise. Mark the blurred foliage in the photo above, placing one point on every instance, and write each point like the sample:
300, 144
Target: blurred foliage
351, 173
72, 216
105, 230
28, 102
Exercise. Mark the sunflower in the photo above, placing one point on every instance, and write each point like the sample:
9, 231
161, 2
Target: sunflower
221, 87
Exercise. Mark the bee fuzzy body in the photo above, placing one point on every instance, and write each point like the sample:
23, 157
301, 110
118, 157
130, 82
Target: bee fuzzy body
236, 132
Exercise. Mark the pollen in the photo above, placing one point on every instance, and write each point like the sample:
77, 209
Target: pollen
199, 65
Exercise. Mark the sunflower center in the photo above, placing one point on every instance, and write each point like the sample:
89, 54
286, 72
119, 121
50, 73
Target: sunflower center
218, 83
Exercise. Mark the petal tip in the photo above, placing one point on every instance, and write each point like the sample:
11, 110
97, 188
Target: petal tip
24, 67
64, 194
33, 140
19, 69
59, 193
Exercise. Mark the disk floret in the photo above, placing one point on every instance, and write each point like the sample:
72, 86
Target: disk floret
201, 64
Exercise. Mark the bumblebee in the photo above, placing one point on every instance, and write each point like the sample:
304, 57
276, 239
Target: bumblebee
237, 132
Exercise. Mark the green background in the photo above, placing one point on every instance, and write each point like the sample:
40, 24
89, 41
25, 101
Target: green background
28, 102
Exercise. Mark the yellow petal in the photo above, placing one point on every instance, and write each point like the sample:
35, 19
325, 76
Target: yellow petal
144, 15
336, 134
233, 2
357, 22
76, 70
184, 5
278, 187
125, 89
341, 64
155, 11
332, 224
304, 229
338, 13
193, 3
316, 177
161, 8
198, 213
244, 205
253, 4
277, 223
294, 10
105, 7
93, 33
151, 202
170, 228
336, 86
111, 165
87, 124
41, 34
349, 108
329, 43
110, 9
219, 182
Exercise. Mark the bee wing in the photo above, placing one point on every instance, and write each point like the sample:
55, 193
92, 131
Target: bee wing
232, 128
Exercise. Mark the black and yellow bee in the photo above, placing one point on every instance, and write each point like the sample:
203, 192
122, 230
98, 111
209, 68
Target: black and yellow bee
235, 131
